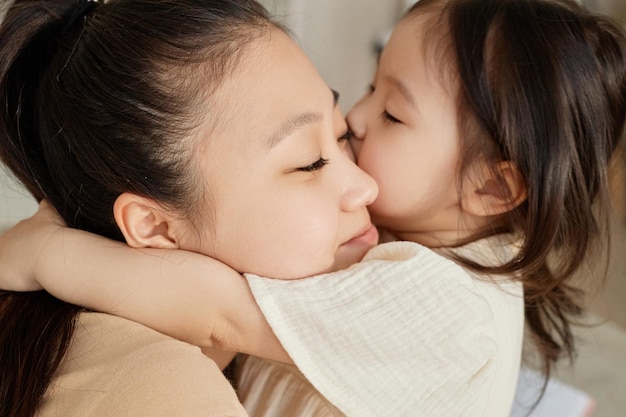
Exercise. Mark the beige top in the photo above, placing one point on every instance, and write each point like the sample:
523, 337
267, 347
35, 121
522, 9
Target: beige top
406, 332
118, 368
274, 389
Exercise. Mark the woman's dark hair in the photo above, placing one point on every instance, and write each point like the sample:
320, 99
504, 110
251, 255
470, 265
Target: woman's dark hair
541, 83
99, 99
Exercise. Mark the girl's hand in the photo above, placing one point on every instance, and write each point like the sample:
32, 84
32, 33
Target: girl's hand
21, 246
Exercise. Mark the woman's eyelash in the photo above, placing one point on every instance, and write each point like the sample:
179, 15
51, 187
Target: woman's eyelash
315, 166
389, 118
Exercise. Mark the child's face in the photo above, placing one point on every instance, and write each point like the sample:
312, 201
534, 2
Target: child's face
406, 137
286, 198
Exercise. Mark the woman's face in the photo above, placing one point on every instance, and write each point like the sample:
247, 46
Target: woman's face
286, 199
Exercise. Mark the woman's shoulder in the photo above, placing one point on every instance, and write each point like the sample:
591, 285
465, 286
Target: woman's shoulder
118, 367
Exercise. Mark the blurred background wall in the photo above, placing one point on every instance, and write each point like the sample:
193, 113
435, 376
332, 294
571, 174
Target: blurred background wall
339, 37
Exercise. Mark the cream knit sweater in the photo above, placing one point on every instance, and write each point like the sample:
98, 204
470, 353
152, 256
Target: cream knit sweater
405, 332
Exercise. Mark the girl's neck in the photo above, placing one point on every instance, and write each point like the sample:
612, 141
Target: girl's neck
450, 238
434, 240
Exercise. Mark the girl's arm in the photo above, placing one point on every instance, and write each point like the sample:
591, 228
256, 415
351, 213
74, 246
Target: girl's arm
183, 294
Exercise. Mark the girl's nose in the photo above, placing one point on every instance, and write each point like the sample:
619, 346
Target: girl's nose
357, 125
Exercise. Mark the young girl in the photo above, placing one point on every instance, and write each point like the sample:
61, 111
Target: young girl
488, 127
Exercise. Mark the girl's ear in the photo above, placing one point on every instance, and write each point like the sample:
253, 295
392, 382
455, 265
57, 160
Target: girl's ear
493, 190
144, 223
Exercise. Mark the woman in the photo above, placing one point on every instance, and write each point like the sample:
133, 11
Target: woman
162, 123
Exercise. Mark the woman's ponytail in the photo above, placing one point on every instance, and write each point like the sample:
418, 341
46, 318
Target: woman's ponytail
35, 328
99, 99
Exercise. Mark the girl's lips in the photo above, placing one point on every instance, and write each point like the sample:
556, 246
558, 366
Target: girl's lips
369, 237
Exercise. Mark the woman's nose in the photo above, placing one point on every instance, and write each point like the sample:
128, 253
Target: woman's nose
361, 190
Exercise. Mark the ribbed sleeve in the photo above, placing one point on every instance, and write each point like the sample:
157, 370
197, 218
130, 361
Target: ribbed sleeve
406, 332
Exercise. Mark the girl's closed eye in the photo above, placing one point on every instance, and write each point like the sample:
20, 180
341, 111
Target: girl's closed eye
389, 118
315, 166
344, 144
346, 136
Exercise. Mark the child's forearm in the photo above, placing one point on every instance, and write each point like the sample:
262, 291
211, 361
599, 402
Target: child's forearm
20, 247
186, 295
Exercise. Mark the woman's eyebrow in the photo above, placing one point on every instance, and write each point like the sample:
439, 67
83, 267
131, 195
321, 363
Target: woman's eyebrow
296, 122
292, 124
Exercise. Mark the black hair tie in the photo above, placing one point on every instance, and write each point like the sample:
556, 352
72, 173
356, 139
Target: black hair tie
80, 10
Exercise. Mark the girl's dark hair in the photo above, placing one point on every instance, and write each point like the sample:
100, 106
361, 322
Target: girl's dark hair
97, 100
541, 83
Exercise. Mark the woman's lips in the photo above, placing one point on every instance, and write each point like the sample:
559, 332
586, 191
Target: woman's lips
368, 237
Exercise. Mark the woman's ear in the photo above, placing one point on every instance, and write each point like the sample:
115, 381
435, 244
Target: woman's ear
493, 190
143, 222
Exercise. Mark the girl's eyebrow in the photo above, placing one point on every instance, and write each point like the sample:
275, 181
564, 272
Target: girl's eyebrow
403, 89
296, 122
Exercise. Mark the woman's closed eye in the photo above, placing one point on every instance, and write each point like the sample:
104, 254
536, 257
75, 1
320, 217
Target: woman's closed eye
315, 166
